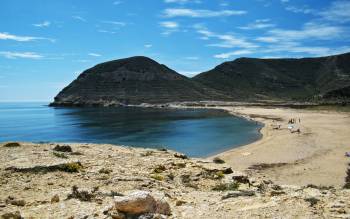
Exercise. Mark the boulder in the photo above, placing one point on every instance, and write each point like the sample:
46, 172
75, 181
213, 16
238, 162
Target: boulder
141, 202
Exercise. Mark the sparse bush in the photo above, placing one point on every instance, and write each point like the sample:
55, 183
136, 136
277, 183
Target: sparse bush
60, 155
313, 201
105, 171
180, 165
218, 160
219, 175
63, 148
347, 179
157, 177
226, 186
82, 195
181, 156
147, 153
12, 144
159, 169
73, 167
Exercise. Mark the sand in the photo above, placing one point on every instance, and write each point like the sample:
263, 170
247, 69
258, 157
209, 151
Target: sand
315, 156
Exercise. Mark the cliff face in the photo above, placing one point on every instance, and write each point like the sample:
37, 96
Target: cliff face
286, 79
133, 80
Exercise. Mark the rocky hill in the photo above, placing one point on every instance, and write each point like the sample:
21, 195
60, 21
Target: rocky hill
139, 80
132, 80
318, 79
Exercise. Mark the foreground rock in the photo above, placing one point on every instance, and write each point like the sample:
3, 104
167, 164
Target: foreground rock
121, 182
141, 202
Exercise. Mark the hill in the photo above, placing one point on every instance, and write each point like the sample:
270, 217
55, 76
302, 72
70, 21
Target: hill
306, 79
132, 80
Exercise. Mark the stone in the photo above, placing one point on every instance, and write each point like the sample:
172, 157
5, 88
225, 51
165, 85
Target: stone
139, 202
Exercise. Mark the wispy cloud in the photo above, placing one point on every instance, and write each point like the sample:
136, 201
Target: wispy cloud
117, 2
232, 54
25, 55
79, 18
94, 54
339, 11
43, 24
303, 9
258, 24
225, 40
148, 45
186, 12
309, 31
169, 26
8, 36
116, 23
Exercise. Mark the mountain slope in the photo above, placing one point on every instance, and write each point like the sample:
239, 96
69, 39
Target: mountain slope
132, 80
285, 79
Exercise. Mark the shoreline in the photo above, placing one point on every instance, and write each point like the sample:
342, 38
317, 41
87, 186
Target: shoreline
315, 156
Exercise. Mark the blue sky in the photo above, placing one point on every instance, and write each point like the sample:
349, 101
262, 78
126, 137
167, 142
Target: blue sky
44, 45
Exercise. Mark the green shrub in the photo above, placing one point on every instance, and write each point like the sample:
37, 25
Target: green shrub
60, 155
12, 144
157, 177
313, 201
226, 186
218, 160
73, 167
159, 169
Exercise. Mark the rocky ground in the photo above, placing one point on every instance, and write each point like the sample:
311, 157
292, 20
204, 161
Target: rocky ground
106, 181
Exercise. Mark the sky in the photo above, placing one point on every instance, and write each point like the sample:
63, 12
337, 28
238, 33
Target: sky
44, 45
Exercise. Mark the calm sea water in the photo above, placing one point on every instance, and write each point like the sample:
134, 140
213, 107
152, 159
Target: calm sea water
197, 133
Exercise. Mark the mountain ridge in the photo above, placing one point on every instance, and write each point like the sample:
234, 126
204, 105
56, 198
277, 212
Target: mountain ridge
139, 79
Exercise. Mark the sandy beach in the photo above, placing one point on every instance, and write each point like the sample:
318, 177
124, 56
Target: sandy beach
316, 155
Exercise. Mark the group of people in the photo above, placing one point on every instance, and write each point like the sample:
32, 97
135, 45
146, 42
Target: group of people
293, 121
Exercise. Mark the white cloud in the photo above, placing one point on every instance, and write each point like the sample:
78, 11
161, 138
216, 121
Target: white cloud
233, 53
106, 31
43, 24
25, 55
169, 24
148, 45
116, 23
186, 12
94, 54
225, 40
79, 18
339, 11
309, 31
304, 9
284, 1
170, 27
117, 2
8, 36
258, 24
